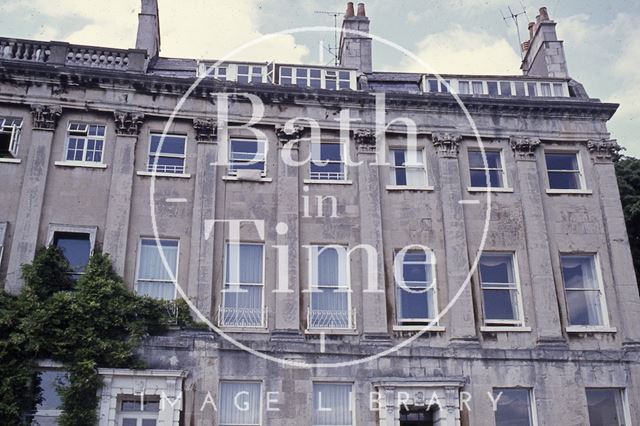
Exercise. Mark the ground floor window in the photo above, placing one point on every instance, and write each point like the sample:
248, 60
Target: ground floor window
606, 407
239, 403
137, 411
417, 416
513, 407
332, 404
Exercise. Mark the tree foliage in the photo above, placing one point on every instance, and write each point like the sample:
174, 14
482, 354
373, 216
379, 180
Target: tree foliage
628, 172
85, 324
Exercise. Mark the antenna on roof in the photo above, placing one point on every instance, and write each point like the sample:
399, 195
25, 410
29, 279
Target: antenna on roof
333, 50
514, 17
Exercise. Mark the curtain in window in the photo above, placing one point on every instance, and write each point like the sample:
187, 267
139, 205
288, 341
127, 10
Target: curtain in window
244, 264
332, 404
154, 279
329, 299
605, 407
239, 403
582, 290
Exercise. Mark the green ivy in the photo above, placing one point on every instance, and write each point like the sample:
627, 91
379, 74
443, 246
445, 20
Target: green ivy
85, 324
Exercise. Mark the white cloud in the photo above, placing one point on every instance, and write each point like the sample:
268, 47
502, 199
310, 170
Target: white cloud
189, 28
457, 50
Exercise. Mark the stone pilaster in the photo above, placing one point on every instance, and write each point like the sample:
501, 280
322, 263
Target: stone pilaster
287, 300
25, 236
624, 279
116, 231
461, 317
548, 326
374, 305
199, 288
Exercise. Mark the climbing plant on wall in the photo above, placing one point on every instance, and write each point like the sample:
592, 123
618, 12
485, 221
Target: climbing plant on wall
85, 324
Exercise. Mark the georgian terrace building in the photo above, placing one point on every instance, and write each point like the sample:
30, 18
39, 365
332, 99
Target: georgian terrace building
548, 320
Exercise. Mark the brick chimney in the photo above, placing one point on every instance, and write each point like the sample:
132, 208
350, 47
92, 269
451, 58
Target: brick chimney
355, 48
544, 53
149, 28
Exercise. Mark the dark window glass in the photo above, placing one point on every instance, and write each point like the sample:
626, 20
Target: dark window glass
49, 382
513, 407
433, 85
505, 88
605, 407
563, 170
170, 144
519, 88
76, 247
492, 86
532, 89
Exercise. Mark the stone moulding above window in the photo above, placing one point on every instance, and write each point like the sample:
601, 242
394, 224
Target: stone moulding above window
128, 123
365, 140
446, 144
206, 129
45, 117
524, 147
287, 134
73, 229
603, 150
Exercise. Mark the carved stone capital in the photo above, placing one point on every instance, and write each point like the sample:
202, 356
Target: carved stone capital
524, 147
45, 117
365, 140
603, 150
288, 133
206, 129
127, 123
446, 144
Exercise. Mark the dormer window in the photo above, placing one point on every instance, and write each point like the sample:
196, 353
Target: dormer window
10, 128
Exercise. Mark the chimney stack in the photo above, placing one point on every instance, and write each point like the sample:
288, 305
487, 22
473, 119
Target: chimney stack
544, 56
148, 37
355, 42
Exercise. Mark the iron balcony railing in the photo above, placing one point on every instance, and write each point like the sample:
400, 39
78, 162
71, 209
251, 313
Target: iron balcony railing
323, 319
242, 317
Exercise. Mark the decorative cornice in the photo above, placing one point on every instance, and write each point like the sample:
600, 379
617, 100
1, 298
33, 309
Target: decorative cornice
603, 150
288, 133
128, 123
446, 144
206, 129
524, 147
45, 117
365, 140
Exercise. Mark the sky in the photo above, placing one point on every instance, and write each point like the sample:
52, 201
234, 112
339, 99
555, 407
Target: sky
452, 36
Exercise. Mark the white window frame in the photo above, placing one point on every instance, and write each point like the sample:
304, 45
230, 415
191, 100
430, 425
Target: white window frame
519, 321
136, 415
502, 170
265, 147
80, 130
582, 180
626, 410
260, 400
343, 262
606, 324
177, 170
263, 308
3, 232
343, 156
422, 154
416, 322
176, 283
532, 401
325, 75
352, 398
13, 126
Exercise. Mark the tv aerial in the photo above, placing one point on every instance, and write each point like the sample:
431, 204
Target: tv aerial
333, 50
514, 18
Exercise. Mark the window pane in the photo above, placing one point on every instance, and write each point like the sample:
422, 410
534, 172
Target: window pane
579, 272
532, 89
415, 304
76, 247
505, 88
492, 86
519, 88
564, 180
513, 407
129, 422
562, 161
496, 269
463, 87
328, 267
49, 380
332, 404
584, 307
500, 304
605, 407
239, 403
330, 151
416, 177
170, 144
244, 263
494, 159
477, 88
433, 85
149, 422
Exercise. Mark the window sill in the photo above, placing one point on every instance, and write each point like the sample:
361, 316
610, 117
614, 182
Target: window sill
237, 179
256, 329
10, 160
332, 331
433, 328
170, 175
487, 189
505, 329
327, 182
569, 191
582, 329
80, 164
408, 188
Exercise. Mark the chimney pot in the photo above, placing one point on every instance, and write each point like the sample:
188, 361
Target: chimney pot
350, 11
361, 11
531, 28
544, 15
525, 46
538, 19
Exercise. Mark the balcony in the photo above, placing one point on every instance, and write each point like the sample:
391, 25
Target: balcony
231, 317
326, 320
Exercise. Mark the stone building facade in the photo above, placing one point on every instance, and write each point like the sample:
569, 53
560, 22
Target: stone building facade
546, 302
